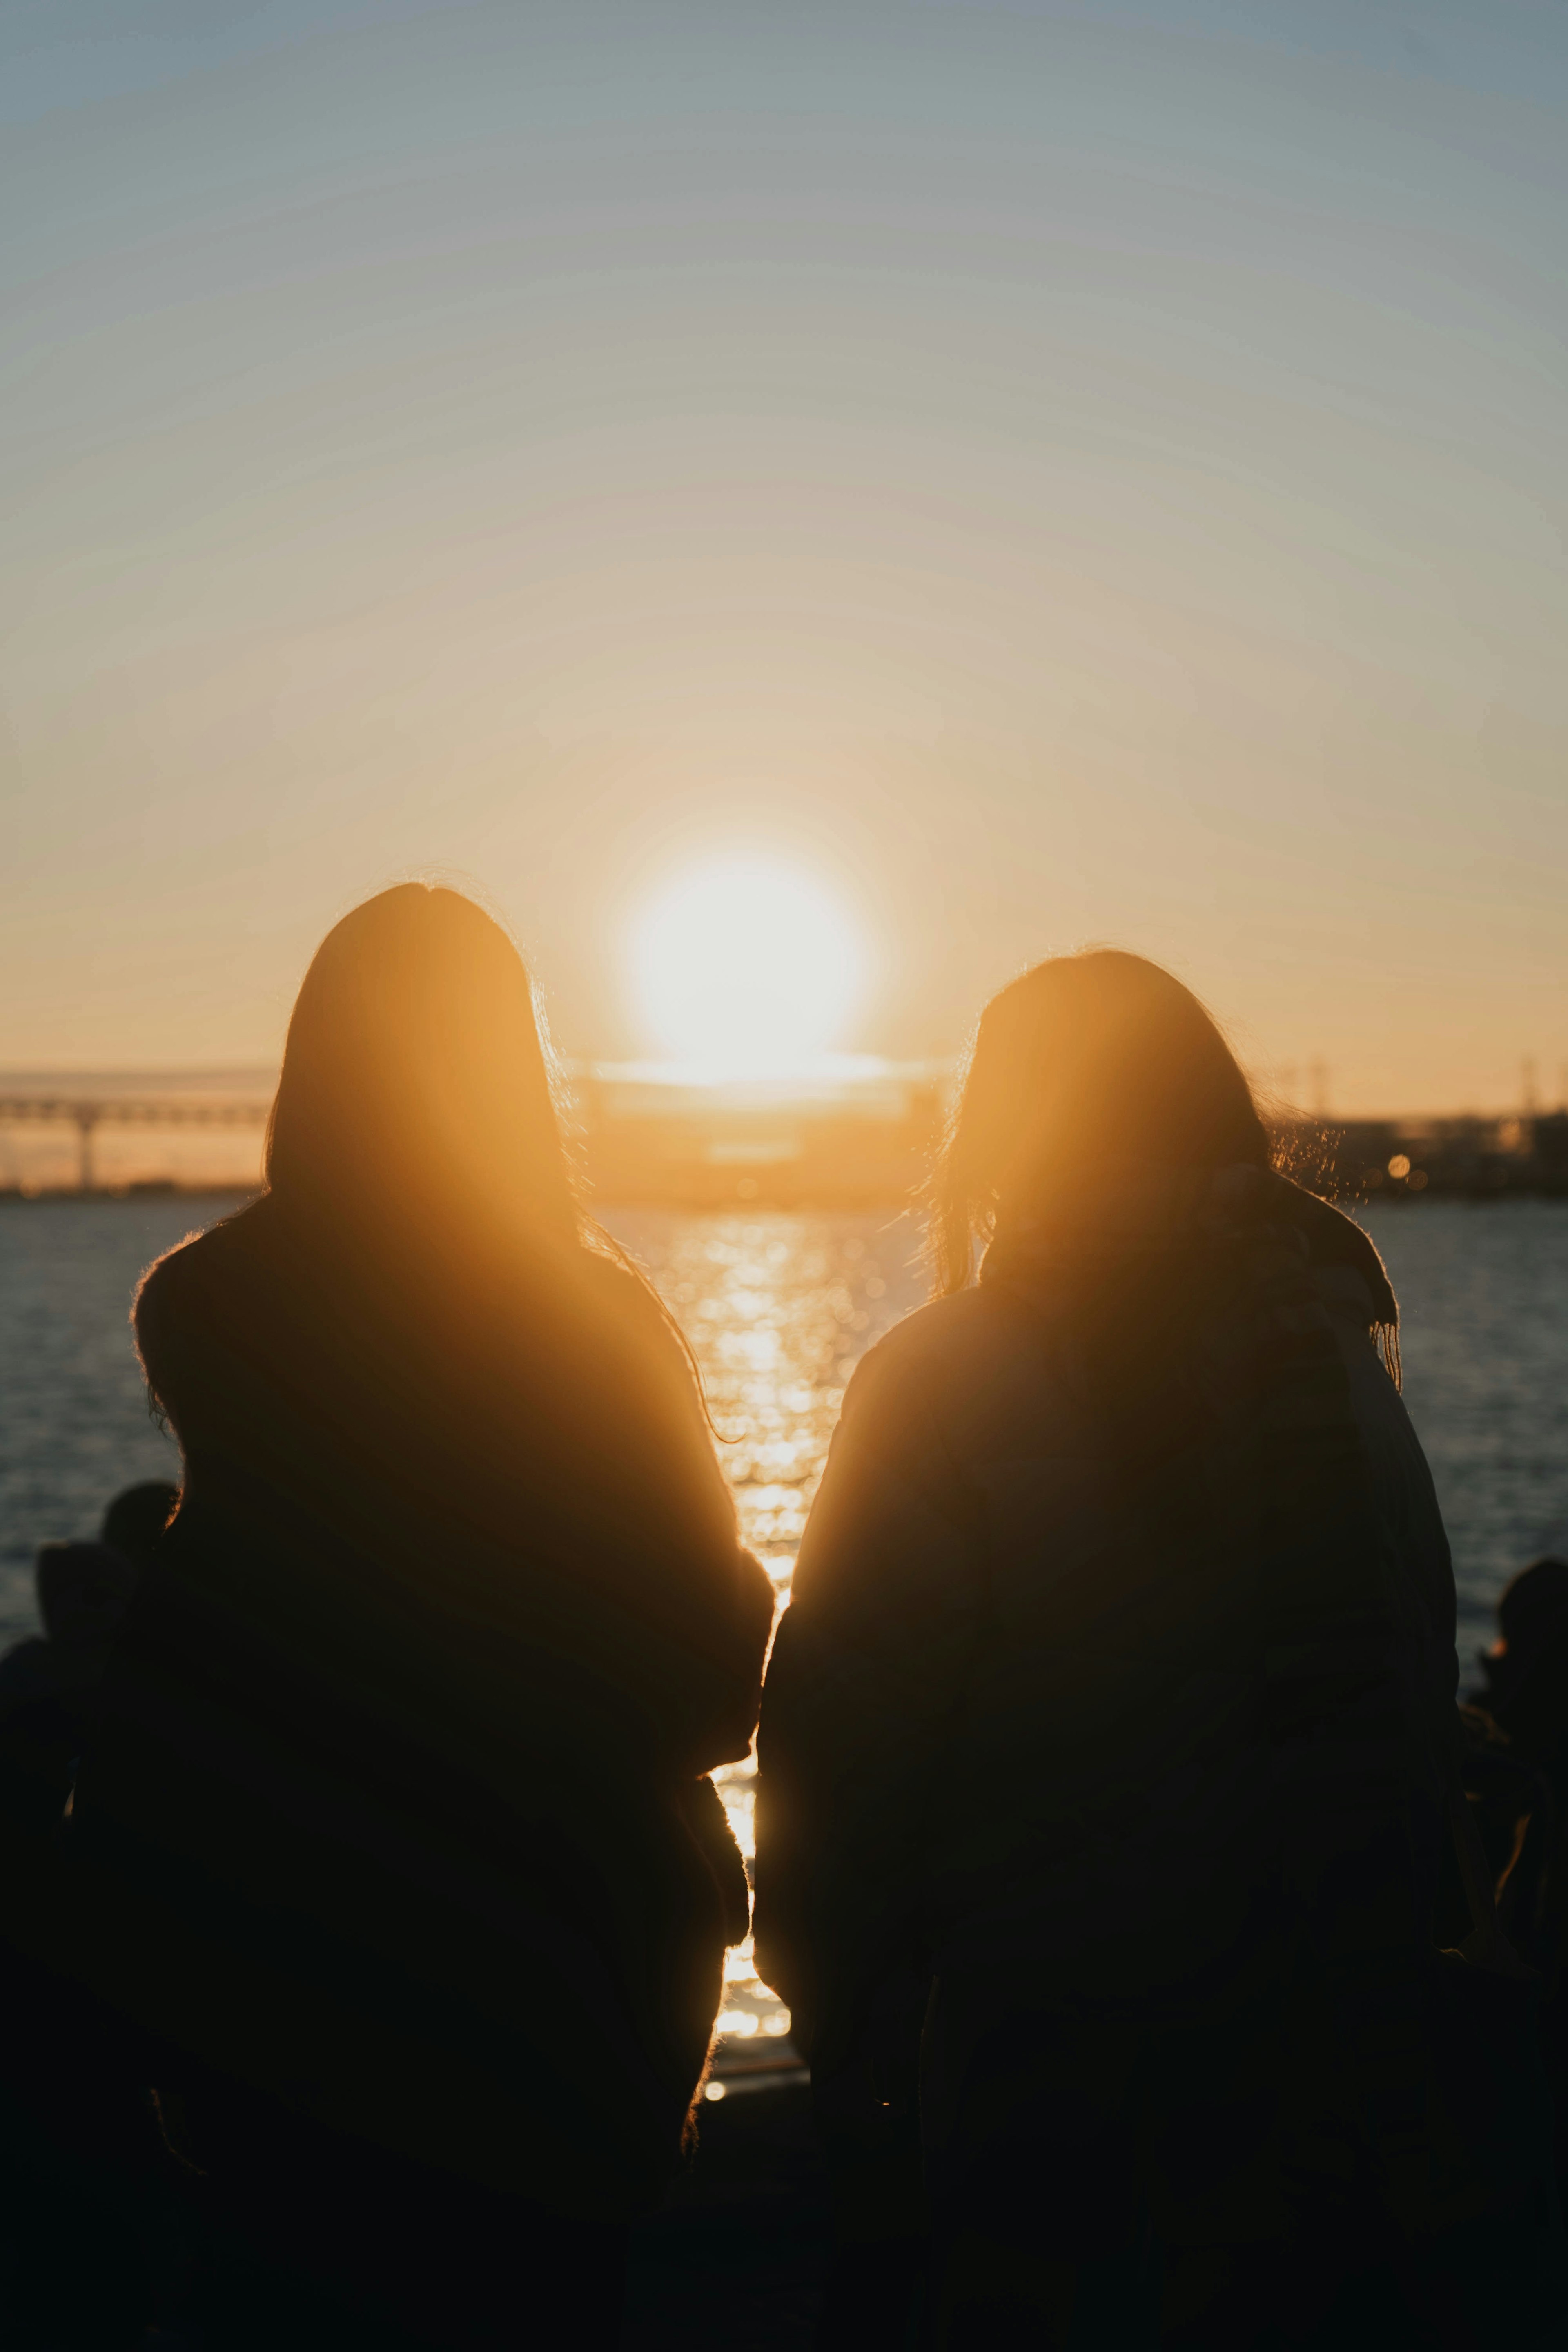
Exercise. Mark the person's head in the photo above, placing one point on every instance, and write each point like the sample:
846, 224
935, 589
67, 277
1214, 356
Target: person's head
1533, 1605
415, 1092
135, 1519
1083, 1072
1527, 1657
82, 1589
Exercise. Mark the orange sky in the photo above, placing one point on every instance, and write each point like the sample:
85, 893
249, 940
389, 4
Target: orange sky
1053, 473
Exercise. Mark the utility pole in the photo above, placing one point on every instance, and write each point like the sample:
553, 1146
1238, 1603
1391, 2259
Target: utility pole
1318, 1072
1529, 1102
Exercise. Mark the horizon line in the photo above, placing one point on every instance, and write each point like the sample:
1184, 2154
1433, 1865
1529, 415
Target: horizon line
822, 1074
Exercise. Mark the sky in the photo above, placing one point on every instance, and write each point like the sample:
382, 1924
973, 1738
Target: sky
1045, 474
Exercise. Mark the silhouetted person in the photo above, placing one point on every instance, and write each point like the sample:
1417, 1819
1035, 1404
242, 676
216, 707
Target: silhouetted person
75, 2149
48, 1683
1517, 1757
1109, 1750
1526, 1697
395, 1832
1533, 1626
134, 1523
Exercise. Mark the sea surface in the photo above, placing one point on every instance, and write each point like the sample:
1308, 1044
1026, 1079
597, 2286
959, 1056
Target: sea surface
778, 1309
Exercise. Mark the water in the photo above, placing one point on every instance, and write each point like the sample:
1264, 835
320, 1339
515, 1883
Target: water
778, 1309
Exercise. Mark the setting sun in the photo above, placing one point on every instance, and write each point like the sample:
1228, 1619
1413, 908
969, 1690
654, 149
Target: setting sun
746, 969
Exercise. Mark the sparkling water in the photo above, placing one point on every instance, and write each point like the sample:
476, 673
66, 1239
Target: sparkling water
778, 1307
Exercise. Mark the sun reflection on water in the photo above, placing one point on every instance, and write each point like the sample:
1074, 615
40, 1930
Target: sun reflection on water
778, 1309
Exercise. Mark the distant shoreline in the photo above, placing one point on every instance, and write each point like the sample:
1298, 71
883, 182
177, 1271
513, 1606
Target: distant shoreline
757, 1199
156, 1188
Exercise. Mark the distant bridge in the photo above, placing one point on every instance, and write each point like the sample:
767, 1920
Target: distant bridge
86, 1114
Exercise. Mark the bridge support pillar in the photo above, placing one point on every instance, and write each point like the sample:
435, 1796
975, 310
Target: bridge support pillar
87, 1116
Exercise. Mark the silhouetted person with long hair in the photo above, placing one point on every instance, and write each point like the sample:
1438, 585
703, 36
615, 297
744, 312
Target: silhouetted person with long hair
396, 1831
1109, 1747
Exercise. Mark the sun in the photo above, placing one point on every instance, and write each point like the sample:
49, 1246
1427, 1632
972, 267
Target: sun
746, 969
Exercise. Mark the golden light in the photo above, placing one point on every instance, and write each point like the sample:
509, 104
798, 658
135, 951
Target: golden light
745, 969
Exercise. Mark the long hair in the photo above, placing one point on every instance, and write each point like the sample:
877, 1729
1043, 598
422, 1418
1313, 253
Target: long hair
421, 1189
417, 1092
1083, 1072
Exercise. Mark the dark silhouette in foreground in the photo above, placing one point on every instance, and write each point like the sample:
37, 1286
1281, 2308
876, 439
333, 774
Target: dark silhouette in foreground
1110, 1766
1518, 1780
49, 1683
79, 2168
134, 1523
394, 1857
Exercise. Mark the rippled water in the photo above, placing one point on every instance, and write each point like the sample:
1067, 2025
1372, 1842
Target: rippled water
778, 1307
1483, 1293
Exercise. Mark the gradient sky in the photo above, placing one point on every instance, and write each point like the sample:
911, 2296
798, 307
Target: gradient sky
1057, 473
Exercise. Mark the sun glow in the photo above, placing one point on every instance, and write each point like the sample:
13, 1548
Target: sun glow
745, 969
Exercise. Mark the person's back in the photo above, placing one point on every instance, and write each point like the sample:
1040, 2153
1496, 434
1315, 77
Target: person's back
397, 1810
396, 1689
1115, 1702
1000, 1553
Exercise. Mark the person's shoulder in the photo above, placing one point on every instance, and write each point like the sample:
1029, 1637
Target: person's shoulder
630, 1313
1348, 1272
941, 1324
163, 1286
623, 1289
1344, 1290
941, 1340
173, 1284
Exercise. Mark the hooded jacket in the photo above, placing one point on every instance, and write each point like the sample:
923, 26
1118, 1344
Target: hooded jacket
1121, 1651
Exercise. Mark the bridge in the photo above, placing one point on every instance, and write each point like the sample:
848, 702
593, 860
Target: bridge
86, 1114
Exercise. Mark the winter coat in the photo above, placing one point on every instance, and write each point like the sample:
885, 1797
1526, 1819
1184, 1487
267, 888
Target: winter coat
396, 1812
1119, 1672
